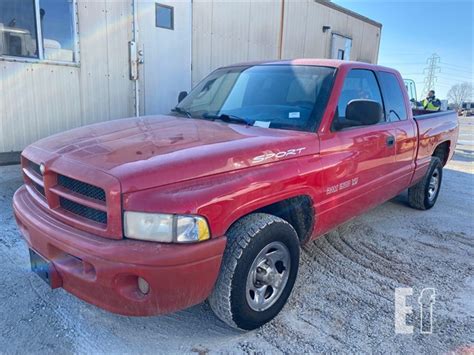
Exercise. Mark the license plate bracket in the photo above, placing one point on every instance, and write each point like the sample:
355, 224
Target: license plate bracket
44, 269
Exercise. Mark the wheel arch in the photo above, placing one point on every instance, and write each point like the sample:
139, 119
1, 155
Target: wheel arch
298, 211
442, 151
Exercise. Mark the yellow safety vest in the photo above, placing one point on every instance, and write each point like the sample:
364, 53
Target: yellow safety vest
431, 105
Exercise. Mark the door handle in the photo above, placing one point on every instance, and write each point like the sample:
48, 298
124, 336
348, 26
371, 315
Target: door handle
390, 141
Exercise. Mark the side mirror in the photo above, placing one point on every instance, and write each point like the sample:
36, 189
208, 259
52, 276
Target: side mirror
364, 112
182, 95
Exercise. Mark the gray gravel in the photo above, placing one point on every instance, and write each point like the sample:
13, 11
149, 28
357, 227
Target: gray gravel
343, 299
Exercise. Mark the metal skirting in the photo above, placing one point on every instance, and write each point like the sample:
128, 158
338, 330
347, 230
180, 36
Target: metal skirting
10, 158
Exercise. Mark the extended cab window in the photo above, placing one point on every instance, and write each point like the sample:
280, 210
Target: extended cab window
392, 94
274, 96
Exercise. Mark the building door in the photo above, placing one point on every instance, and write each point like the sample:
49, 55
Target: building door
164, 37
340, 47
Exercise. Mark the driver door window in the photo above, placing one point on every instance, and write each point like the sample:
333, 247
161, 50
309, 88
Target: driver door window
358, 84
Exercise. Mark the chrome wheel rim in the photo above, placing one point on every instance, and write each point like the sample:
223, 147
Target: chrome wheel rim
433, 185
268, 276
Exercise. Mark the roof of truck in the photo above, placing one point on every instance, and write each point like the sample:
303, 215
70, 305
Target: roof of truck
335, 63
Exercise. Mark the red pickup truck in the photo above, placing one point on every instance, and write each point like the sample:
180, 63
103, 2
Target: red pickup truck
150, 215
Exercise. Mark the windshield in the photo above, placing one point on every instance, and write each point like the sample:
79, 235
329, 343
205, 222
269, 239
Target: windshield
275, 96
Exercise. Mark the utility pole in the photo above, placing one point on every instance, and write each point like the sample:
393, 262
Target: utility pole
430, 72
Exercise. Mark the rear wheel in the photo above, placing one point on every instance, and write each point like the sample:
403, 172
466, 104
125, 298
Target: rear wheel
258, 271
424, 194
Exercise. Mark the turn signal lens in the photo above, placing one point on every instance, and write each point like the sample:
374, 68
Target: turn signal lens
191, 229
143, 286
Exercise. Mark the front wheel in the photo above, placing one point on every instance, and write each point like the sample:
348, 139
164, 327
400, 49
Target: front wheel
424, 194
258, 271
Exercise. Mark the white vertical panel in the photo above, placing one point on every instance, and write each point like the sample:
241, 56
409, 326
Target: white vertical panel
338, 22
230, 32
119, 33
294, 30
94, 61
202, 39
20, 119
316, 41
39, 100
377, 47
227, 32
57, 99
2, 108
356, 29
264, 34
371, 42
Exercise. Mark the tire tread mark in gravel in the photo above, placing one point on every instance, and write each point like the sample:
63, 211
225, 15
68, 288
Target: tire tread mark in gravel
440, 235
342, 275
392, 272
346, 272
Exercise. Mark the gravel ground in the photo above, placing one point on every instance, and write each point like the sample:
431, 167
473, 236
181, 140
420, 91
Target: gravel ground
343, 300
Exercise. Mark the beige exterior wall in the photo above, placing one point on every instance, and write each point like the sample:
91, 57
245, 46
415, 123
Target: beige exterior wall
226, 32
38, 99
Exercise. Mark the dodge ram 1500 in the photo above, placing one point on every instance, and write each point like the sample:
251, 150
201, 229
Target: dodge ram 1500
150, 215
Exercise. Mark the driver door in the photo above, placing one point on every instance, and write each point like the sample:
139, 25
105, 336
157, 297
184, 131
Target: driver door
357, 161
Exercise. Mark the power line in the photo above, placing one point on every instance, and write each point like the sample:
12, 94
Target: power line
404, 63
458, 70
453, 65
460, 77
431, 70
455, 78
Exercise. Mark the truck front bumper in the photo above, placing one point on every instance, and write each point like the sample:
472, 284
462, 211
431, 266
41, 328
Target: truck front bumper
105, 272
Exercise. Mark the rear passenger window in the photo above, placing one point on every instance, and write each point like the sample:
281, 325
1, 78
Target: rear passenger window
393, 97
359, 84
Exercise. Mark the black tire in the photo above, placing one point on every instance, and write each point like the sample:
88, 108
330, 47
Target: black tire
247, 239
420, 195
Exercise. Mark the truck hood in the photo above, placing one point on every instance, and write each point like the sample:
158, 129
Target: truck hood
153, 151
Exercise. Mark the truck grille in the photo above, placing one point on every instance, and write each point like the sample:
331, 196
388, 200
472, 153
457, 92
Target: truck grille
84, 205
83, 211
35, 167
82, 188
39, 188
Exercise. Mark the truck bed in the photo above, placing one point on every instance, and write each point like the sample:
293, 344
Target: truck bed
433, 129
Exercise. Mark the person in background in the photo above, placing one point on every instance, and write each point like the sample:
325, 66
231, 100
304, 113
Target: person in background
431, 103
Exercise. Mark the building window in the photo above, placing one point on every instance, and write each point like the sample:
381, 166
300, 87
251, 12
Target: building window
165, 16
39, 29
57, 28
18, 35
340, 54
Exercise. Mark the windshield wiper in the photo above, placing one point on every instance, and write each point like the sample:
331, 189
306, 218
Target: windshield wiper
226, 118
182, 111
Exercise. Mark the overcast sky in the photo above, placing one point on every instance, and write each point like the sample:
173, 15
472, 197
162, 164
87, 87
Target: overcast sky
414, 30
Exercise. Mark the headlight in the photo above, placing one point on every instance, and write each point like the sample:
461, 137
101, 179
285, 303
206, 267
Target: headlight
166, 228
